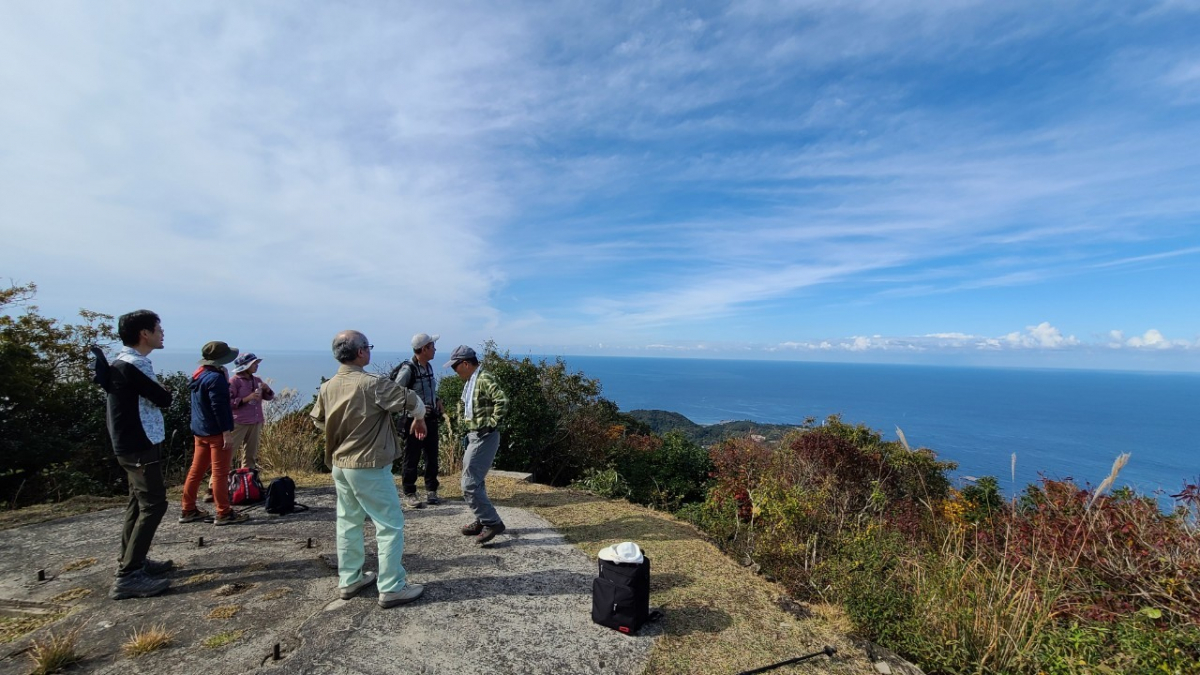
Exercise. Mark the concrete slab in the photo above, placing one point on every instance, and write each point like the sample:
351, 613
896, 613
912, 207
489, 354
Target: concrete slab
521, 604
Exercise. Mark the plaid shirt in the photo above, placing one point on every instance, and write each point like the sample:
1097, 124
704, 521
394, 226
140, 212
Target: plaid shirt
488, 403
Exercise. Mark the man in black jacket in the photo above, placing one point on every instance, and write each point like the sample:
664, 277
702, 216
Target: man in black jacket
135, 424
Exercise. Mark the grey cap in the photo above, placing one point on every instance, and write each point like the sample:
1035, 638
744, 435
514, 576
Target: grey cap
422, 339
460, 353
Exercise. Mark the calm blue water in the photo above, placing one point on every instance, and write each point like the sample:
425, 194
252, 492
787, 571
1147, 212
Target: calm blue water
1060, 423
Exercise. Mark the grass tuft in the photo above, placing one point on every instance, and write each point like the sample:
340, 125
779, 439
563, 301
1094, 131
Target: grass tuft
224, 612
198, 579
145, 641
223, 638
54, 652
79, 564
13, 627
276, 594
73, 594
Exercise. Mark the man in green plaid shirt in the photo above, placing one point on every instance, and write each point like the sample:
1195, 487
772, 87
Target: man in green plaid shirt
482, 410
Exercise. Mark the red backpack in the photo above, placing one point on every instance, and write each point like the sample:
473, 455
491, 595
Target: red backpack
245, 487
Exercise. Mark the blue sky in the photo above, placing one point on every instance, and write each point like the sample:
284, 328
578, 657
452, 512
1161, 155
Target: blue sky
932, 182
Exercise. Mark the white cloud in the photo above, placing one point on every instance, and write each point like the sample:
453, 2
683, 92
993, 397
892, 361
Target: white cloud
1042, 337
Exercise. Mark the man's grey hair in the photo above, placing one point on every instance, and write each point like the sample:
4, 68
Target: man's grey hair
346, 345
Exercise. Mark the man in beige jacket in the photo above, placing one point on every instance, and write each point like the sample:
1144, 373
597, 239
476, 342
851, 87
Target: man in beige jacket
354, 410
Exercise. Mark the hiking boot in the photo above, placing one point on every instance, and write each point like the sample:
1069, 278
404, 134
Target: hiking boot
208, 496
347, 592
137, 585
403, 596
472, 529
232, 519
413, 502
156, 567
432, 499
196, 516
489, 533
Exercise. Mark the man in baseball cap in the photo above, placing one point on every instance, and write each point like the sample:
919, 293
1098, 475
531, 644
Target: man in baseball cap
417, 374
482, 410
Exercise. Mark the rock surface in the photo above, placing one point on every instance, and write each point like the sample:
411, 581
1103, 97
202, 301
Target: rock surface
521, 604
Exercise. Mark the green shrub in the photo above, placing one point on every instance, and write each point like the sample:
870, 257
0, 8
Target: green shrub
662, 472
868, 578
1135, 645
604, 482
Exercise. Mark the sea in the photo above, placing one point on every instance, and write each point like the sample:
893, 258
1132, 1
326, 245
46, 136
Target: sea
1018, 425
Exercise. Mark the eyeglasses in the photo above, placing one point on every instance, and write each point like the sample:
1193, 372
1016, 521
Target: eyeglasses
368, 347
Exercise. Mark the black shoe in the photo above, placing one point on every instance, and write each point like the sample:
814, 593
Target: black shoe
489, 533
156, 567
137, 585
432, 498
472, 529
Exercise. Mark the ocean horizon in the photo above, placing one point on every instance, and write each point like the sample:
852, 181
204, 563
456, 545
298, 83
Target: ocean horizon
1058, 423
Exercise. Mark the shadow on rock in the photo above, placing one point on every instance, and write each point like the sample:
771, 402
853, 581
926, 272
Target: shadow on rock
205, 579
540, 583
548, 499
635, 528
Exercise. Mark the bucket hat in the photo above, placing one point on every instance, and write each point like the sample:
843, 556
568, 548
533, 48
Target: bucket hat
625, 552
217, 353
245, 362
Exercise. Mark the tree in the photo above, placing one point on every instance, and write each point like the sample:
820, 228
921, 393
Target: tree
53, 441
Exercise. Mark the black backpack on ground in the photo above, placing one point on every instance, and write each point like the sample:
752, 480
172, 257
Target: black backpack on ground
621, 595
281, 497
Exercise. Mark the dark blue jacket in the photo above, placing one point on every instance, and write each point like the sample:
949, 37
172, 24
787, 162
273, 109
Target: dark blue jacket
211, 412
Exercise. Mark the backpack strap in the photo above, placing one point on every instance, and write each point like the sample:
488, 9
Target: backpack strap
399, 377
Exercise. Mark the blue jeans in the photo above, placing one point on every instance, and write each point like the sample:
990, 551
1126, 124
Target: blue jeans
362, 493
477, 461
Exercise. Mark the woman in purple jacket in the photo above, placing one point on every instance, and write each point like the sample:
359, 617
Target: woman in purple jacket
246, 394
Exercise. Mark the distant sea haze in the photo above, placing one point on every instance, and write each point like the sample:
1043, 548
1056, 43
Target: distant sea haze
1059, 423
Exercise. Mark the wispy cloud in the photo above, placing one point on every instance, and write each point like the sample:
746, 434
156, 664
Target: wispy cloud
579, 172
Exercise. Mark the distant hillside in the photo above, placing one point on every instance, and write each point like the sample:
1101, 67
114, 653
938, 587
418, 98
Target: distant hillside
662, 421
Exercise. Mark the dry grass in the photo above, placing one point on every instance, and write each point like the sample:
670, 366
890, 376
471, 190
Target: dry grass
13, 627
73, 594
232, 589
148, 640
79, 564
222, 639
198, 579
224, 612
290, 441
1009, 606
54, 652
276, 594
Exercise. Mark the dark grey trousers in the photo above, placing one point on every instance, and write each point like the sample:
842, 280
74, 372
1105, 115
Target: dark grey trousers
146, 508
414, 450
